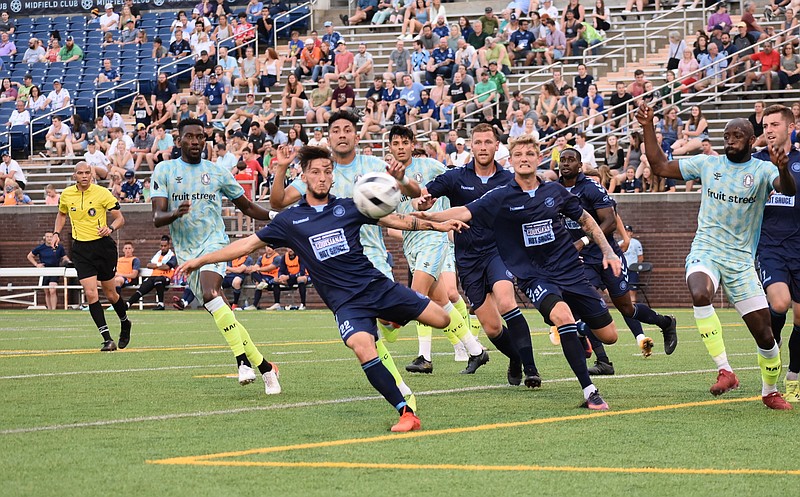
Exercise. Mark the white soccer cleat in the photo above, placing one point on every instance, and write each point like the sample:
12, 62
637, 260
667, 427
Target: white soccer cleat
251, 308
302, 307
274, 307
246, 375
460, 351
262, 285
271, 385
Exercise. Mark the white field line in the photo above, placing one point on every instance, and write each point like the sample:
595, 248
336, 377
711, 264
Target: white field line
225, 412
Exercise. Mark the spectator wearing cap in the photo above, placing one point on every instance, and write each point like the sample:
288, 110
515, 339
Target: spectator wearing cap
94, 17
7, 47
107, 73
309, 57
7, 25
487, 93
318, 140
363, 64
343, 96
460, 156
142, 144
112, 119
720, 18
331, 37
198, 19
109, 20
70, 51
494, 51
216, 95
489, 21
131, 189
342, 64
58, 98
441, 62
365, 11
204, 66
129, 33
243, 115
24, 88
34, 53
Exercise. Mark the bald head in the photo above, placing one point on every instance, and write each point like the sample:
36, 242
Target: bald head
742, 125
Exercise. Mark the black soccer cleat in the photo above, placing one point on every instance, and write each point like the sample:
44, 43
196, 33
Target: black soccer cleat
108, 346
601, 368
514, 374
533, 380
125, 334
420, 365
670, 335
476, 361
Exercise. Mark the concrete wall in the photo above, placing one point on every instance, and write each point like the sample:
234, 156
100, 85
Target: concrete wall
664, 223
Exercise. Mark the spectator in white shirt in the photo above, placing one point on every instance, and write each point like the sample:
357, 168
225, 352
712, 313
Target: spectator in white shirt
35, 53
10, 170
112, 119
586, 150
109, 20
460, 156
58, 98
58, 139
20, 116
97, 160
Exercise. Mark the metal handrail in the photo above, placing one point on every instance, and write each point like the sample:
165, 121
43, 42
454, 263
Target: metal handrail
113, 88
385, 134
540, 70
474, 98
231, 37
310, 14
698, 71
660, 17
40, 118
597, 58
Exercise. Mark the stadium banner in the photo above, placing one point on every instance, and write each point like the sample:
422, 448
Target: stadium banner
27, 8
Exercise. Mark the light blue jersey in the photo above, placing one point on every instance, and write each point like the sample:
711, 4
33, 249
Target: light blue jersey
202, 230
732, 205
344, 178
423, 170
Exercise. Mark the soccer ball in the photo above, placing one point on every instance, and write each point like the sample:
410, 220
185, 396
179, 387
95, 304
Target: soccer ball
376, 195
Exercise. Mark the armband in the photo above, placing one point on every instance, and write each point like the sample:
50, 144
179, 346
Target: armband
585, 240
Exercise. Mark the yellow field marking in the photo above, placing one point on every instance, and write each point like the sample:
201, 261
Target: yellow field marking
212, 458
481, 467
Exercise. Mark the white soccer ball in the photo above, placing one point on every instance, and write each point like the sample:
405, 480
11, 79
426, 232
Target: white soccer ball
376, 195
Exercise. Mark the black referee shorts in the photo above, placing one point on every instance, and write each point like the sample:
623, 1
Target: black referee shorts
95, 258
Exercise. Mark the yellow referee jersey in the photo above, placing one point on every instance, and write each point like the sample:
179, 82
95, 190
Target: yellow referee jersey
87, 210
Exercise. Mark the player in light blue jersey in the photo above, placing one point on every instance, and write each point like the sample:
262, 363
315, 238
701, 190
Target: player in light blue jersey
347, 169
735, 189
427, 254
187, 195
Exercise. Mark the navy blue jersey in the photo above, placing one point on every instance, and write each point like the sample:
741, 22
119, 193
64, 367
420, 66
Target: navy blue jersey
780, 228
461, 185
532, 239
328, 241
592, 197
49, 256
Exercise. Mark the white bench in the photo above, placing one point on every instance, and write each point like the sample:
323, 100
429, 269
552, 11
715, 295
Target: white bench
29, 294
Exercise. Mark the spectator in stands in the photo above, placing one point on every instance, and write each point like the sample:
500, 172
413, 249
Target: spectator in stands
601, 16
10, 171
215, 95
161, 147
587, 36
587, 151
365, 11
410, 90
7, 46
244, 34
670, 126
51, 196
128, 267
49, 254
125, 16
582, 81
399, 62
110, 20
159, 50
621, 103
415, 16
636, 87
7, 91
56, 139
343, 63
58, 98
180, 47
142, 144
107, 74
112, 119
477, 37
254, 8
425, 111
441, 62
753, 28
20, 116
720, 18
141, 112
131, 189
224, 30
570, 105
363, 64
495, 52
700, 46
120, 158
428, 38
97, 160
79, 133
790, 66
630, 183
770, 62
488, 96
520, 44
277, 7
594, 108
319, 104
331, 37
343, 96
162, 115
244, 114
547, 103
548, 8
419, 61
249, 68
694, 131
614, 155
714, 64
34, 53
309, 58
134, 10
757, 121
128, 34
53, 49
7, 25
293, 97
687, 71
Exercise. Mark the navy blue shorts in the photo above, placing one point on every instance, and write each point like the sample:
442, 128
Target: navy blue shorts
774, 267
46, 280
258, 277
477, 280
382, 298
604, 278
227, 281
582, 298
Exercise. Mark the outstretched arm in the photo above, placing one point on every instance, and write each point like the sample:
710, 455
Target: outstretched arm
655, 156
236, 249
784, 183
413, 223
251, 209
595, 234
455, 213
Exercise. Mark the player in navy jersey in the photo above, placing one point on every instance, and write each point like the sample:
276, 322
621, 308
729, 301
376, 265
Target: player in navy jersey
524, 216
596, 201
778, 251
484, 278
324, 231
736, 187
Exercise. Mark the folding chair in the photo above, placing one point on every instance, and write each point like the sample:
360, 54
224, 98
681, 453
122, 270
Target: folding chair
644, 271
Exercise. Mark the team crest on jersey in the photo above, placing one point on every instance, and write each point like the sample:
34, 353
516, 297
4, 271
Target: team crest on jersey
549, 202
623, 285
205, 179
91, 212
748, 180
418, 177
338, 211
796, 167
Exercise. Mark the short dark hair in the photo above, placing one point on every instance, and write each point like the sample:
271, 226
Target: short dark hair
308, 153
785, 112
401, 132
189, 122
342, 114
271, 128
638, 72
166, 238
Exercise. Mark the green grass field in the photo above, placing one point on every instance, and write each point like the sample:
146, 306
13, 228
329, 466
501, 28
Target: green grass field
165, 418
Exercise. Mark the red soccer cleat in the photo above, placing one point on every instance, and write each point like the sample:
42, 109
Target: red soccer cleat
726, 381
776, 401
408, 422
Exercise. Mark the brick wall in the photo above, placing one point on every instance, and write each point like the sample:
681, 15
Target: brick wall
664, 223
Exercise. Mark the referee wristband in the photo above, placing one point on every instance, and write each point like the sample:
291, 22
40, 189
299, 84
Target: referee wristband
57, 234
114, 229
585, 240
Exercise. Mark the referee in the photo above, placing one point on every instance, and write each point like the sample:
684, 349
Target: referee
94, 252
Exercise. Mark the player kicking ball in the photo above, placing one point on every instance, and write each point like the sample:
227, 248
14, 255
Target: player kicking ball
324, 231
735, 189
525, 218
